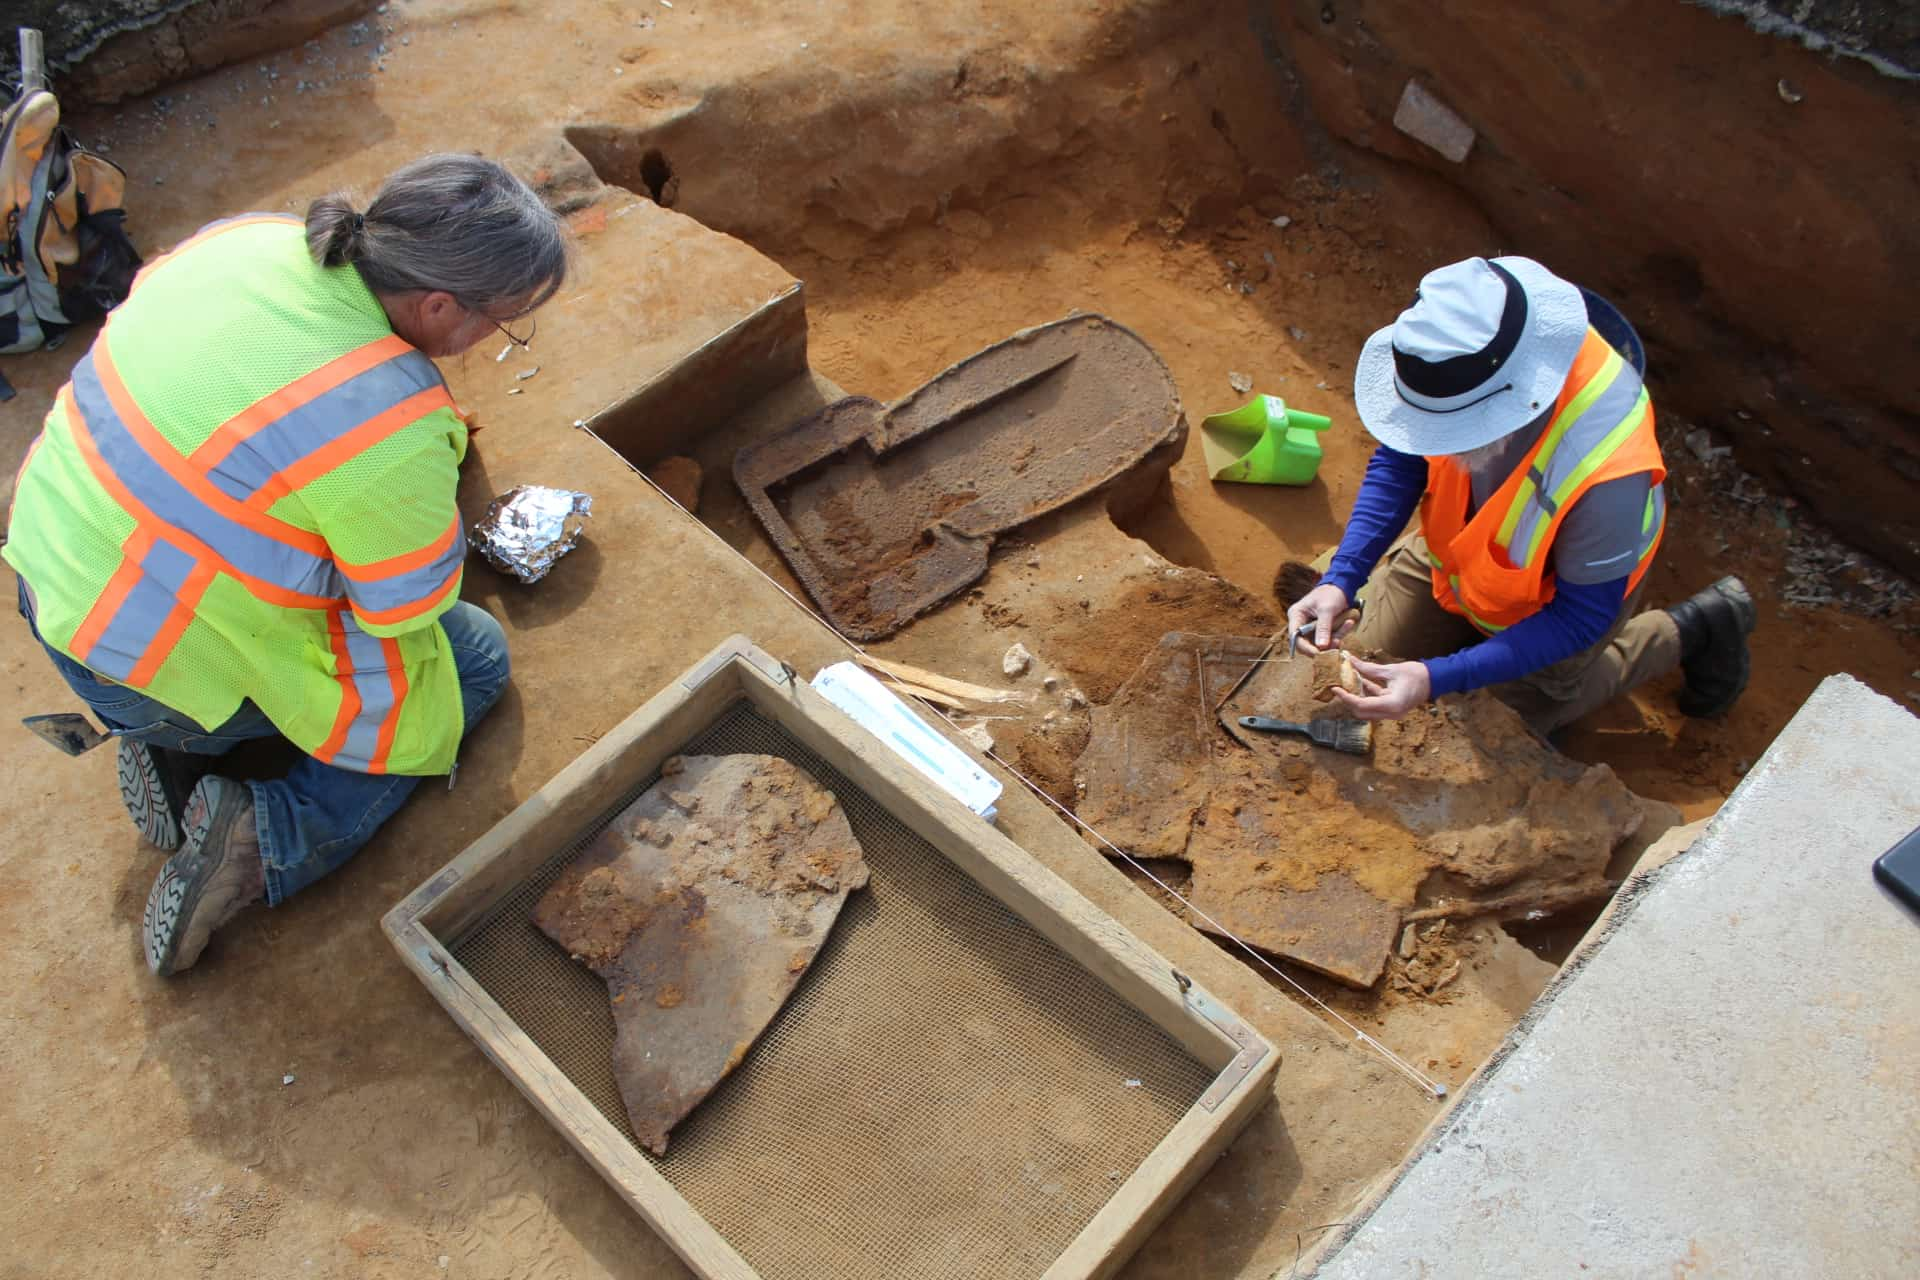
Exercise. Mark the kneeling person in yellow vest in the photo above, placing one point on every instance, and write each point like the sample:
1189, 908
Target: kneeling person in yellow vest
1509, 410
239, 522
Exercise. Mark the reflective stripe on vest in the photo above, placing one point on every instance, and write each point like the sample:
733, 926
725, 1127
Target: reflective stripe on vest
207, 522
391, 591
373, 685
1597, 420
304, 424
1603, 409
147, 604
1653, 523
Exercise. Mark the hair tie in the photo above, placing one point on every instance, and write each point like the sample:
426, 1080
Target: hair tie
359, 223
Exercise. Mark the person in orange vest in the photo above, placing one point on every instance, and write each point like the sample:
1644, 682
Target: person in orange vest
239, 522
1509, 410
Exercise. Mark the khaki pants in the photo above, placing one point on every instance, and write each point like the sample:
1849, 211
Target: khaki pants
1404, 621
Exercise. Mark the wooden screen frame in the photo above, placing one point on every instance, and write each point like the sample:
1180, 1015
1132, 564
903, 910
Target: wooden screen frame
501, 860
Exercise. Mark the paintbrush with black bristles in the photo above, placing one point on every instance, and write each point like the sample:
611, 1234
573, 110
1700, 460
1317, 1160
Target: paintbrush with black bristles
1355, 737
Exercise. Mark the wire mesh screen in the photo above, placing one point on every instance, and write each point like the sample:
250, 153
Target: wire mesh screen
947, 1093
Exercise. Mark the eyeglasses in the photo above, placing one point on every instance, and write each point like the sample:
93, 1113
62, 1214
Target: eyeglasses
510, 335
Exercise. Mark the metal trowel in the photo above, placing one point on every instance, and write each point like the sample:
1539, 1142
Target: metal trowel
71, 733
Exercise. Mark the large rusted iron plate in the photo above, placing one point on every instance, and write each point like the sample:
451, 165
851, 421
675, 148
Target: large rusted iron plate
701, 905
884, 511
1315, 856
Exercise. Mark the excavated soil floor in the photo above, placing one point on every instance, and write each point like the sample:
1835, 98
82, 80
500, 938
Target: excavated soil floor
888, 313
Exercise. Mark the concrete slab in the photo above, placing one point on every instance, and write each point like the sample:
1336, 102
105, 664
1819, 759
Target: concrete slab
1721, 1081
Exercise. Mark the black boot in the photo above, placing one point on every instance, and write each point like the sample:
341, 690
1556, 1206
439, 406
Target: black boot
1714, 624
154, 785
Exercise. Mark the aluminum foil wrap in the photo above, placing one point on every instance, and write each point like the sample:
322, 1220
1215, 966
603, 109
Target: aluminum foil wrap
529, 527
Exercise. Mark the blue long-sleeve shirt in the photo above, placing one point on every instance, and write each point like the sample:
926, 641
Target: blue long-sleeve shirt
1575, 619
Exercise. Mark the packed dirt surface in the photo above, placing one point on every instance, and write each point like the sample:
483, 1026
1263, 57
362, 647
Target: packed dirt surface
701, 906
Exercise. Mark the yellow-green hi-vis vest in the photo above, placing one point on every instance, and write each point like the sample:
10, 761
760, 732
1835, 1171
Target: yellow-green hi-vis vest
247, 492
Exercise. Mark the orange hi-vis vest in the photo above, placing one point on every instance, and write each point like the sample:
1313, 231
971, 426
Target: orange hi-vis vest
246, 492
1493, 569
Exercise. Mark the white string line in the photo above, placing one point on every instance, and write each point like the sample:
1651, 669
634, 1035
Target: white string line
1431, 1086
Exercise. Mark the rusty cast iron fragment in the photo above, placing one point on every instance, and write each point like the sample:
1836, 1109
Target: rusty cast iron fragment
701, 906
884, 511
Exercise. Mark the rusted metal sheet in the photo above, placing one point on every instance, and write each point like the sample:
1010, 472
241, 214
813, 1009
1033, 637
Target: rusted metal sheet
701, 905
1316, 856
884, 511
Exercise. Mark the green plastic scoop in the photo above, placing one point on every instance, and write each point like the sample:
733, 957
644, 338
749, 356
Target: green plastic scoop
1263, 442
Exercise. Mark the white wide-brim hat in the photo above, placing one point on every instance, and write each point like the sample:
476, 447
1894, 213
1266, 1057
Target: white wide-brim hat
1483, 351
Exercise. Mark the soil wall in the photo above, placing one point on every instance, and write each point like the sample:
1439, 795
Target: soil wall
108, 50
1749, 201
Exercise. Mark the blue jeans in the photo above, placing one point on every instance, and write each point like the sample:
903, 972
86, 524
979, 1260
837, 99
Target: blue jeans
317, 817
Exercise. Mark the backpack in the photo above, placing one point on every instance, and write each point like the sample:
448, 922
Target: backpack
65, 257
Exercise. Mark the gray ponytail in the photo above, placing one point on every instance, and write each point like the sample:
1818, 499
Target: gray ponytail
452, 222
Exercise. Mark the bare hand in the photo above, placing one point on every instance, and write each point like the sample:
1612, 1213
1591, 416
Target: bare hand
1316, 616
1388, 689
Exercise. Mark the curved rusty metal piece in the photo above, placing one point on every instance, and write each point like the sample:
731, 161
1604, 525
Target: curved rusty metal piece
884, 511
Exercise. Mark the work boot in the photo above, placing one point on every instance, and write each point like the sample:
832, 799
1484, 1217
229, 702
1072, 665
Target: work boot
154, 785
215, 874
1714, 624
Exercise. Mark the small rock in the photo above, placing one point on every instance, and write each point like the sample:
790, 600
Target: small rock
287, 1079
977, 737
1075, 700
1283, 221
1789, 93
1240, 382
1050, 683
1409, 942
1033, 562
1295, 332
680, 477
1016, 661
524, 374
1700, 444
1425, 118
